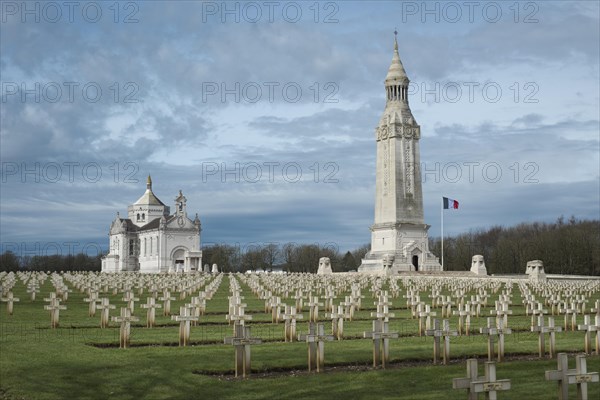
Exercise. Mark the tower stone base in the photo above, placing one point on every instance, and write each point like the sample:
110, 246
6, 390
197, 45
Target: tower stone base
400, 247
373, 263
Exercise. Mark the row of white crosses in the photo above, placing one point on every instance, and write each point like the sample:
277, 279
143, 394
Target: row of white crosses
183, 284
495, 330
7, 296
54, 307
549, 329
381, 335
476, 384
235, 314
89, 283
337, 317
568, 299
33, 287
151, 306
242, 338
125, 319
191, 314
188, 313
315, 339
464, 319
589, 329
275, 306
290, 316
267, 287
346, 308
577, 305
564, 376
184, 318
425, 315
444, 332
105, 308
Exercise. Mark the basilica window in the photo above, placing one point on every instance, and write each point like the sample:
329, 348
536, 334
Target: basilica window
138, 217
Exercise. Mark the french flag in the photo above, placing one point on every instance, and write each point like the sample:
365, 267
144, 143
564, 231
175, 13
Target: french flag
450, 203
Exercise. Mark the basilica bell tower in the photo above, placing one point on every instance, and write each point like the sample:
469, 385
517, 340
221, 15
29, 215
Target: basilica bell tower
399, 235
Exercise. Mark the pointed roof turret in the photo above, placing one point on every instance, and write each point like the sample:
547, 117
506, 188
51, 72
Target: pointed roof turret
149, 198
396, 73
397, 110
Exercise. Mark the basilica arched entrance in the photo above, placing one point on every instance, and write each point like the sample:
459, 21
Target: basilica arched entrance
415, 262
178, 259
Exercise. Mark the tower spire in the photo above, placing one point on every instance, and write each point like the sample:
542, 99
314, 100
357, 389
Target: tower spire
149, 182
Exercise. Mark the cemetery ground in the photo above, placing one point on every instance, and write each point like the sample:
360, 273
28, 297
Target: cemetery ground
80, 360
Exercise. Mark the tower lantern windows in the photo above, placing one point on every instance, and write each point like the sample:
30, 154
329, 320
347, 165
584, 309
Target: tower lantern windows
396, 92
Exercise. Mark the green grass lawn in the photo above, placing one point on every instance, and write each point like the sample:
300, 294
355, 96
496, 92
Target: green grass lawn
81, 361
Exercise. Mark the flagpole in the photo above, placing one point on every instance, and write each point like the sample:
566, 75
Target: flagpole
442, 217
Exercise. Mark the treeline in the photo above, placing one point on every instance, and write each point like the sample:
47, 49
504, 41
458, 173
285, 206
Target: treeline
53, 263
566, 247
289, 257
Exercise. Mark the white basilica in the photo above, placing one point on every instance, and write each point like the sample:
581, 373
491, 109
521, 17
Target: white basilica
152, 240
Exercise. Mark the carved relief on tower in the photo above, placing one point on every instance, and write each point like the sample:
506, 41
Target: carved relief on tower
411, 132
386, 132
417, 132
409, 167
386, 167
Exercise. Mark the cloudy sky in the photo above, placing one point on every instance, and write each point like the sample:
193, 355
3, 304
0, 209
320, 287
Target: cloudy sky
263, 113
